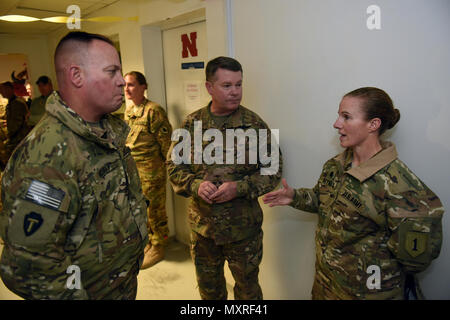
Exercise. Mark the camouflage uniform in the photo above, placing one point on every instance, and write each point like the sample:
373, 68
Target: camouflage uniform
149, 141
231, 230
37, 110
14, 126
376, 214
72, 196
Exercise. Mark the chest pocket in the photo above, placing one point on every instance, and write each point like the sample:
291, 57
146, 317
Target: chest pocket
328, 186
140, 127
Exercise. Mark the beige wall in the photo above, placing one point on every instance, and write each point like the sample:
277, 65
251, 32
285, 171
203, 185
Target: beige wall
35, 48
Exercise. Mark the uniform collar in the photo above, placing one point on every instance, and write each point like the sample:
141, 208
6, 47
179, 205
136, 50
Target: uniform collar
237, 119
115, 129
137, 111
368, 168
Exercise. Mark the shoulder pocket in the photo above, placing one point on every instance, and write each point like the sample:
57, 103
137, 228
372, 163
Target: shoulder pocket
37, 216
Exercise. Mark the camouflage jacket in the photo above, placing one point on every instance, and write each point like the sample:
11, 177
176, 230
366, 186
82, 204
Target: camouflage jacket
149, 138
72, 197
378, 214
37, 110
16, 127
241, 217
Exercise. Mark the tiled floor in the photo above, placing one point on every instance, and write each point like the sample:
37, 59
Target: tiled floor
171, 279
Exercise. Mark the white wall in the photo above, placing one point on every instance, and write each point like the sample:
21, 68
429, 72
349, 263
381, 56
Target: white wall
299, 58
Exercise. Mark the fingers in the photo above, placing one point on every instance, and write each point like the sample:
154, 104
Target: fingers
285, 185
218, 193
206, 189
272, 195
226, 192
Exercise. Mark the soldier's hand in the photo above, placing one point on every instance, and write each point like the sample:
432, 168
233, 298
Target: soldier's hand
226, 192
206, 190
280, 197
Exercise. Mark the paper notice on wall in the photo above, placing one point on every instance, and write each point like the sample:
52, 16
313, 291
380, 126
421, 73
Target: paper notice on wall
192, 94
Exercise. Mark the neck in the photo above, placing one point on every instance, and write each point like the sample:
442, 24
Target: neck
138, 101
216, 110
77, 104
365, 151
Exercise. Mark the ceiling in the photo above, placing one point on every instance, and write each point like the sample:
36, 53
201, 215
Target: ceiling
43, 9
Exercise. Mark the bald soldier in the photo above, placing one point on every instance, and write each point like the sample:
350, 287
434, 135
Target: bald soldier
74, 216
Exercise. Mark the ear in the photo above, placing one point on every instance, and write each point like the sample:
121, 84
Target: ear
374, 124
209, 87
76, 75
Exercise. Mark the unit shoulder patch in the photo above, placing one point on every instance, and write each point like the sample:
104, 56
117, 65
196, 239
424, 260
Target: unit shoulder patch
416, 243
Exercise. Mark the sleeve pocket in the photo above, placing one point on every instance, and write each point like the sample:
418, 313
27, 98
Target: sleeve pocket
36, 226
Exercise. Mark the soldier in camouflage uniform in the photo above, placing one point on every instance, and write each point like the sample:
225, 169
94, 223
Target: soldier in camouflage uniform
375, 215
13, 122
74, 216
224, 213
37, 107
149, 141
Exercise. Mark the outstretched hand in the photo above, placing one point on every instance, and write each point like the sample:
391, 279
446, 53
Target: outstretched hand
280, 197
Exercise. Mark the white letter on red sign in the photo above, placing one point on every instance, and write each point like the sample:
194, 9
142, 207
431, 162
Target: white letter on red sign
189, 45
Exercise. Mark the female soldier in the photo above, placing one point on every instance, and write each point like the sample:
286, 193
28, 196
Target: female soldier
378, 223
149, 141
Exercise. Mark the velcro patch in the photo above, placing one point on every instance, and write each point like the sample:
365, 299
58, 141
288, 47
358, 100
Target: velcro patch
45, 195
416, 243
31, 223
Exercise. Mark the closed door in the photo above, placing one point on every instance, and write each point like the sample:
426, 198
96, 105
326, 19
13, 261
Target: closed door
185, 54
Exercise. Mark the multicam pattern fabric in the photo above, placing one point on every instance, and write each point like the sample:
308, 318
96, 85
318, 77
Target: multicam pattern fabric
37, 110
376, 214
231, 230
149, 141
13, 127
243, 258
72, 197
241, 217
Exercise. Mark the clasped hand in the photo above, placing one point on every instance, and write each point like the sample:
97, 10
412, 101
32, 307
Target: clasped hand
211, 194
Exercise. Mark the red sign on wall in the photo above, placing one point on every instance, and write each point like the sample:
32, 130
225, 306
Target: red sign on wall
189, 45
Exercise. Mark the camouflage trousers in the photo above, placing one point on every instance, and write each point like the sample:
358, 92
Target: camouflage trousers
153, 180
243, 259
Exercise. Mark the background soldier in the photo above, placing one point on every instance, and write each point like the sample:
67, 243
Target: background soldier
71, 192
37, 108
13, 122
149, 141
224, 213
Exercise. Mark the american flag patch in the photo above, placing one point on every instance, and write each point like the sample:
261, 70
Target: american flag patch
45, 195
